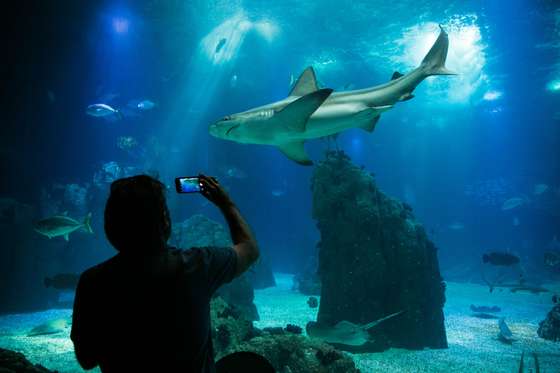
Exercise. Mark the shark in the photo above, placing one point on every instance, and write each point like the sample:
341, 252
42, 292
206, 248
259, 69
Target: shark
310, 112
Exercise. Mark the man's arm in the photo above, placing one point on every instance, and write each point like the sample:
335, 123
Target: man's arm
244, 243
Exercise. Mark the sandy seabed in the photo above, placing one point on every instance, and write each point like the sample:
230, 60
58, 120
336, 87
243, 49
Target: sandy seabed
473, 343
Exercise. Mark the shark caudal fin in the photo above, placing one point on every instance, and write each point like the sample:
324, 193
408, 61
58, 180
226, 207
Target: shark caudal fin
87, 223
434, 62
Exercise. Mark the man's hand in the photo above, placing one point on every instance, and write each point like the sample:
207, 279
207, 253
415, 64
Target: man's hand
214, 192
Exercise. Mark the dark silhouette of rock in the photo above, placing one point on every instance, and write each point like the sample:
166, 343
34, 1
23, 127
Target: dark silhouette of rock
15, 362
375, 259
549, 328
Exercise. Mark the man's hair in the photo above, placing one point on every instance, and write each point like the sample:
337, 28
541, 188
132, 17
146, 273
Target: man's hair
136, 215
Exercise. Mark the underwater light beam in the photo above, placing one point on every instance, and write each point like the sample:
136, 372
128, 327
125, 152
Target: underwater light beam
553, 85
120, 25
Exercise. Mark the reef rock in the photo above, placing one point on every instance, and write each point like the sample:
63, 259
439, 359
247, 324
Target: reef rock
15, 362
285, 349
307, 281
375, 259
549, 328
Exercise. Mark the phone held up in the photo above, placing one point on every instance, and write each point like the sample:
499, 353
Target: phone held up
187, 184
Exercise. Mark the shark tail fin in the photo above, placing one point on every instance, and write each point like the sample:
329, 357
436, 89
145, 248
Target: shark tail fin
434, 62
87, 223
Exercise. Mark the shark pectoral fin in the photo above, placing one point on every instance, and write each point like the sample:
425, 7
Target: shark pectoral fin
370, 125
296, 152
295, 114
66, 237
368, 117
306, 83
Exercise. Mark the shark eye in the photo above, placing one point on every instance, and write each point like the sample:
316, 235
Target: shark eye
227, 117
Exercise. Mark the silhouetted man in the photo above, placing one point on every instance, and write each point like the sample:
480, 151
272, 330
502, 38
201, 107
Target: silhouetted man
147, 309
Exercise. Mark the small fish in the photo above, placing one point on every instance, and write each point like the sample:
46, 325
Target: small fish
233, 81
61, 225
513, 203
505, 335
220, 45
457, 226
127, 142
234, 173
103, 110
145, 105
62, 281
530, 289
49, 327
278, 192
500, 259
540, 189
312, 302
485, 308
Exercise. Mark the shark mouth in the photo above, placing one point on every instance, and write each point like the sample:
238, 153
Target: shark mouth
231, 128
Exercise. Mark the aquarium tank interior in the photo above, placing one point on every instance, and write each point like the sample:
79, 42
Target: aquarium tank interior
397, 165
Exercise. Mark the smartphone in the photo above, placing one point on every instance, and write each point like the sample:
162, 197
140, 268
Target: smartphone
187, 184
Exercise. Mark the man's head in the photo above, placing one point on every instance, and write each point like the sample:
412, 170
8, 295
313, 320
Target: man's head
136, 215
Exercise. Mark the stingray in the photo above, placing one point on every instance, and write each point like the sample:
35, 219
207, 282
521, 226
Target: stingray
49, 327
345, 332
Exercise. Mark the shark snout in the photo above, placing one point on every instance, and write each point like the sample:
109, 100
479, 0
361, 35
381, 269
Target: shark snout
223, 127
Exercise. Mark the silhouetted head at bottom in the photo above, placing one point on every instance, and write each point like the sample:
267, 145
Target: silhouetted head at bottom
136, 215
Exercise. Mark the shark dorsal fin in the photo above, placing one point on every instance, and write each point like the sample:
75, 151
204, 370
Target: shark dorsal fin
396, 75
306, 83
294, 115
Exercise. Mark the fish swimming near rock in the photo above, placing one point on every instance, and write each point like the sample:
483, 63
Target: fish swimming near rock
61, 225
311, 113
62, 281
49, 327
505, 335
491, 309
103, 111
345, 332
313, 302
500, 259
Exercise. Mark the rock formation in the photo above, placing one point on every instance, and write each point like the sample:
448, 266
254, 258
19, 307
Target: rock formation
549, 328
375, 259
15, 362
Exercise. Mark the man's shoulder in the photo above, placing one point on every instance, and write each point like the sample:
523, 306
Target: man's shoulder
98, 268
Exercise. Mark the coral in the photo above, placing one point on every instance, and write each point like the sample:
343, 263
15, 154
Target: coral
285, 349
294, 329
15, 362
375, 259
549, 328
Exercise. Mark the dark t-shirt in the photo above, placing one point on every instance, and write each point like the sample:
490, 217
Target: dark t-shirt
151, 312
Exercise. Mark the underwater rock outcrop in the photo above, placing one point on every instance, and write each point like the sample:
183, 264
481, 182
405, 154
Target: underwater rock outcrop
15, 362
549, 328
284, 348
307, 281
375, 259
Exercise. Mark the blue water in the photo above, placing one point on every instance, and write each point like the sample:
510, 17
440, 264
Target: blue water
456, 152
